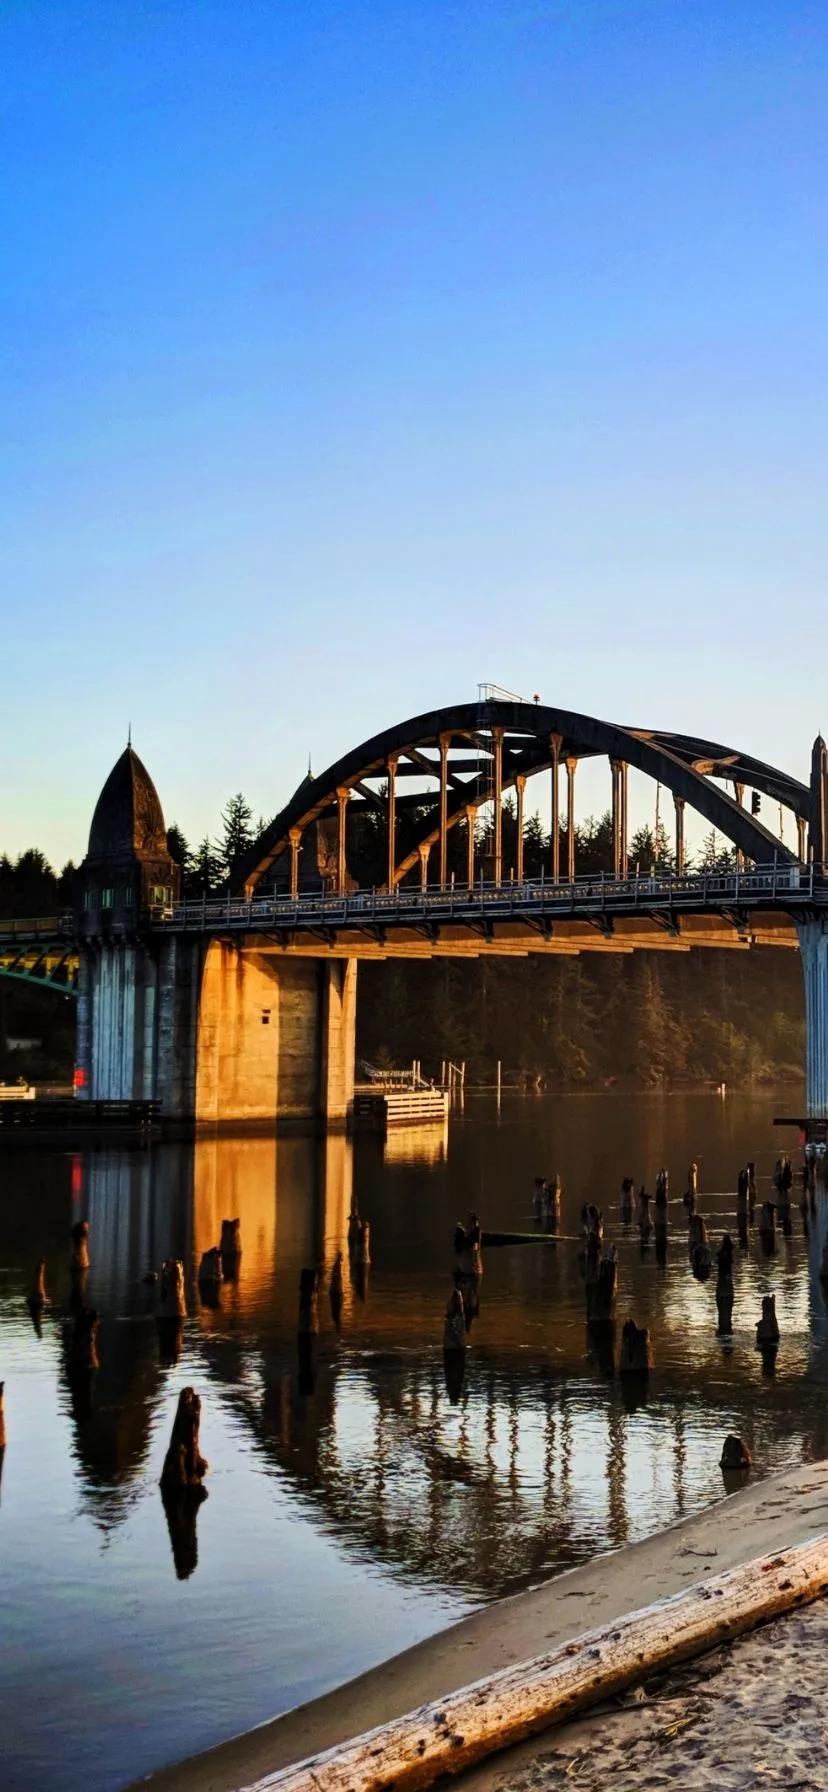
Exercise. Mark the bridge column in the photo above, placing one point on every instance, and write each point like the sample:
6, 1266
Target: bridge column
137, 1022
498, 805
471, 822
625, 832
424, 850
571, 768
119, 1018
295, 838
444, 748
392, 822
615, 766
342, 796
739, 793
802, 838
275, 1038
83, 1033
813, 945
679, 807
555, 744
520, 786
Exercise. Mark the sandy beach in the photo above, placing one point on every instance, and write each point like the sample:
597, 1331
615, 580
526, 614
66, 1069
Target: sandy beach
752, 1713
630, 1739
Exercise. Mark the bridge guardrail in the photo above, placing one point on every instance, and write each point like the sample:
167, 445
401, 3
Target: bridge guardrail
800, 884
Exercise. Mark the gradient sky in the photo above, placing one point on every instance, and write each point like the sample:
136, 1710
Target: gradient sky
354, 353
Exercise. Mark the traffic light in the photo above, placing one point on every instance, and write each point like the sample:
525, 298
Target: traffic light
755, 802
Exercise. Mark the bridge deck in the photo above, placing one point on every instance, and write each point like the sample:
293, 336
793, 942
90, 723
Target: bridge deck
731, 909
746, 907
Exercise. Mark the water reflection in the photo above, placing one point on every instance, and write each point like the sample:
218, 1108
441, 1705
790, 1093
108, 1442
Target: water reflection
459, 1467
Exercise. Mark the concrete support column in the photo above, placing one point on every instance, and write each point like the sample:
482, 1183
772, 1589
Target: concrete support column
295, 837
424, 850
179, 973
339, 993
555, 744
444, 749
275, 1038
471, 822
571, 768
679, 808
498, 805
802, 838
813, 945
148, 968
116, 1038
520, 787
392, 824
342, 795
83, 1036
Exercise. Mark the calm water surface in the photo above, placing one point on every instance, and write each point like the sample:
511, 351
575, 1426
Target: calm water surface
353, 1508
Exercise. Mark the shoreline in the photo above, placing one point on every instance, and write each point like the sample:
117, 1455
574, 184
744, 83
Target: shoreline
772, 1513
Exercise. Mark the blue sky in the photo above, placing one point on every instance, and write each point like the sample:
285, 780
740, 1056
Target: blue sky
354, 353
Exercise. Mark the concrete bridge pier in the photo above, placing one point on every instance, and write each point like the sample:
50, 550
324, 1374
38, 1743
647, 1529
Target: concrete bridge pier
137, 1021
813, 946
276, 1037
218, 1032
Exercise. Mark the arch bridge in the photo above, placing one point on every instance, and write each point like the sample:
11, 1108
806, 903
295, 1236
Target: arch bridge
466, 758
243, 1008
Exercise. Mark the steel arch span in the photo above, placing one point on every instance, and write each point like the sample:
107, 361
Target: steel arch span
470, 754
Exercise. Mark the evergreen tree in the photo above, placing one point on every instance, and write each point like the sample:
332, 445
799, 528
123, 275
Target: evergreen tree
179, 850
237, 835
206, 873
535, 847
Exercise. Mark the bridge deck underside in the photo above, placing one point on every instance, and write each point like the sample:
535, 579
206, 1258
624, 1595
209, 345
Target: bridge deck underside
519, 938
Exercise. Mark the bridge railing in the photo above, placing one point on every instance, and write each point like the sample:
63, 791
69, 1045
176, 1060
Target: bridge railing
40, 927
788, 884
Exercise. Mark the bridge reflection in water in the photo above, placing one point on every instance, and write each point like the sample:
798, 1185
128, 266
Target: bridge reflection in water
355, 1500
541, 1460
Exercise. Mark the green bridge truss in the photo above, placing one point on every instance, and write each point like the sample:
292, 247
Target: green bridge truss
34, 952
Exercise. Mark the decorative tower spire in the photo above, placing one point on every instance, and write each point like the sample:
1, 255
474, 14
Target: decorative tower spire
818, 810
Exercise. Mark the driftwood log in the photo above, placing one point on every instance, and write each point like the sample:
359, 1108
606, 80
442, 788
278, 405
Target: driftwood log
498, 1238
450, 1734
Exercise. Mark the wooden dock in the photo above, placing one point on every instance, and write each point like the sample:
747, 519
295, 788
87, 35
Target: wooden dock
381, 1107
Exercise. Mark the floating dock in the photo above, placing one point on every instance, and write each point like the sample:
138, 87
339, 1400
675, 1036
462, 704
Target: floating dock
381, 1107
23, 1118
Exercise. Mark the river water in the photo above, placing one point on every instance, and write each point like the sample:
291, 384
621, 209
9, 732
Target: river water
353, 1506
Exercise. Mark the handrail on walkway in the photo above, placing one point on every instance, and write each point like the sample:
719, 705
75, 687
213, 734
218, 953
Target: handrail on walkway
797, 885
